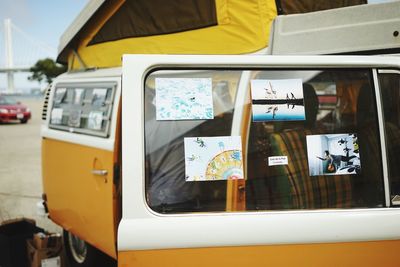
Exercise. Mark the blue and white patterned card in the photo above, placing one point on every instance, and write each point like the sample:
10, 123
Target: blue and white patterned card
184, 99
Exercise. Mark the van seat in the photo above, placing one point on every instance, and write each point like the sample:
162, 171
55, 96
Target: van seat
299, 190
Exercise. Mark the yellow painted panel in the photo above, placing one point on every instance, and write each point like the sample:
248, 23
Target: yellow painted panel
243, 27
382, 253
79, 201
236, 189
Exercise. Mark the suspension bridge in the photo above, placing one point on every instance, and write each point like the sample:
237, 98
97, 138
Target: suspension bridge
19, 51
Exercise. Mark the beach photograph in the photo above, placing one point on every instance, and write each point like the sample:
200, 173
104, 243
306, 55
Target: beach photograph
277, 100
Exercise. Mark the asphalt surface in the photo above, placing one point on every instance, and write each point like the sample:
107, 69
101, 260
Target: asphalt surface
20, 168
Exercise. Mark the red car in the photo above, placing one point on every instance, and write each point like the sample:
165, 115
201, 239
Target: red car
10, 109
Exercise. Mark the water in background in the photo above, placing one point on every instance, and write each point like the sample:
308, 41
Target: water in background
278, 112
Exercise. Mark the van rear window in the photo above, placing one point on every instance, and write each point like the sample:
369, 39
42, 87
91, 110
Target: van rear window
83, 109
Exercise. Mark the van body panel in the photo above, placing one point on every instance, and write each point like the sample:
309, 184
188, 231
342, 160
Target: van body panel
83, 203
383, 253
88, 205
78, 200
258, 228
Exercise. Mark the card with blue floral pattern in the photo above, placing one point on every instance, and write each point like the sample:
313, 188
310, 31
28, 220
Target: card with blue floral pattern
184, 99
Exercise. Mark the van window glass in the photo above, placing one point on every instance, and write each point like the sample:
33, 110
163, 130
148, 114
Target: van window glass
390, 90
167, 189
83, 109
306, 141
334, 157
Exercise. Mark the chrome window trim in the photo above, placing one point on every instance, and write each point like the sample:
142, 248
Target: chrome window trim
111, 76
382, 138
389, 71
87, 86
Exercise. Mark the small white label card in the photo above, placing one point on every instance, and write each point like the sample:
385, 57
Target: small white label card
277, 160
184, 99
52, 262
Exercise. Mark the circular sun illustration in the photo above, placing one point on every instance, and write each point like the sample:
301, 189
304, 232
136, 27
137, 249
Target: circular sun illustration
226, 165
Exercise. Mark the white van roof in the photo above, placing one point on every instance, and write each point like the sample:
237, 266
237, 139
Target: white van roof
87, 12
91, 73
346, 30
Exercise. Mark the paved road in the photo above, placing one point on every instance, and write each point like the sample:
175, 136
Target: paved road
20, 168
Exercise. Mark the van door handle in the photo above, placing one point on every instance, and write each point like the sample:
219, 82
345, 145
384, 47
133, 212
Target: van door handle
100, 172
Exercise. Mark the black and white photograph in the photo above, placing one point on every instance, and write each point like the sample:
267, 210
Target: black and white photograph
333, 154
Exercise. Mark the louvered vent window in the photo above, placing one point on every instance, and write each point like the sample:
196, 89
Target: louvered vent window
46, 102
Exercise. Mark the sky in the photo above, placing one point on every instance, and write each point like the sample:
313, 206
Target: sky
41, 20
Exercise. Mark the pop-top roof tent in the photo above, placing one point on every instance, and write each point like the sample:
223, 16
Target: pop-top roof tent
107, 29
367, 29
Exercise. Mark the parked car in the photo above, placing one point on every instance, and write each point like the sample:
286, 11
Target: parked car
11, 109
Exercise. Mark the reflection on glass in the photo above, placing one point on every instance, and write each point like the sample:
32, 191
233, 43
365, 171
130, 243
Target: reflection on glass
99, 96
282, 112
166, 185
59, 95
390, 89
79, 93
95, 120
281, 108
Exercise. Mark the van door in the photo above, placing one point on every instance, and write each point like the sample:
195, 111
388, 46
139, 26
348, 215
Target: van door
78, 158
254, 157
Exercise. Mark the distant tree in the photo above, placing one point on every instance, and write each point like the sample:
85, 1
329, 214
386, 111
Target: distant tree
46, 69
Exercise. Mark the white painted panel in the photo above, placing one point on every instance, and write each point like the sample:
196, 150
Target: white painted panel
258, 229
341, 30
142, 228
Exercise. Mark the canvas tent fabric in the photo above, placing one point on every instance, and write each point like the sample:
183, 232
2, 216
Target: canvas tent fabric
305, 6
241, 27
153, 17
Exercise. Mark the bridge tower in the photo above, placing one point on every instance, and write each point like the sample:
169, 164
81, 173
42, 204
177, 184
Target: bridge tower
20, 52
9, 55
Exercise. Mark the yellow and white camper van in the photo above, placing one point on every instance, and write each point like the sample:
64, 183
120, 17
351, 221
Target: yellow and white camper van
247, 182
222, 160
